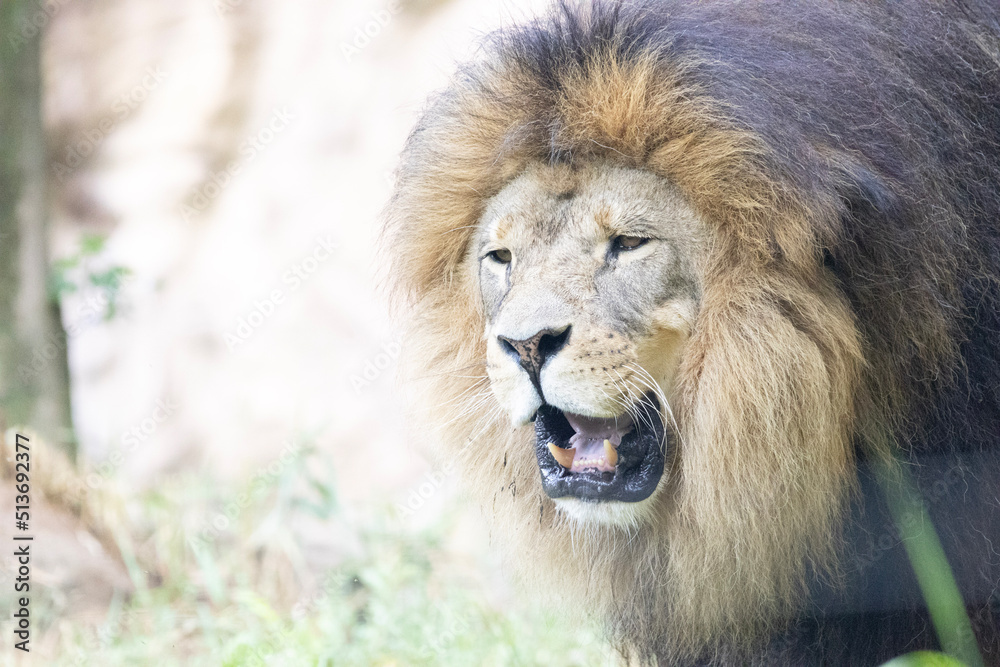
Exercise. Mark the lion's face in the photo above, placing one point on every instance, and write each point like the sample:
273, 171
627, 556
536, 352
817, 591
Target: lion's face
590, 285
583, 233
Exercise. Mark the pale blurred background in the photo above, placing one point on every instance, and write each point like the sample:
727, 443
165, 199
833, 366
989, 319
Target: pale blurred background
311, 101
225, 163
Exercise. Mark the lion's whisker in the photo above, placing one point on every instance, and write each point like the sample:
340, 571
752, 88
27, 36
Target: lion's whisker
645, 378
665, 405
490, 420
474, 404
634, 402
477, 385
453, 371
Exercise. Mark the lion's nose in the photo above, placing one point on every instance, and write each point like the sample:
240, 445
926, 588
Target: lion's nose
532, 353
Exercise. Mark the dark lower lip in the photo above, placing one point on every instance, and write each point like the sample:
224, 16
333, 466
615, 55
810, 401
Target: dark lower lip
641, 458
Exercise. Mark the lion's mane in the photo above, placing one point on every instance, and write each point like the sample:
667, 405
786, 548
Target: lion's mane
847, 158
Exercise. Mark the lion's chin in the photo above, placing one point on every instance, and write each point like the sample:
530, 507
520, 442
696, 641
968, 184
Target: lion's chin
629, 516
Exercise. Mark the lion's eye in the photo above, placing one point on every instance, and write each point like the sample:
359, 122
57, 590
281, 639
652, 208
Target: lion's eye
627, 242
501, 256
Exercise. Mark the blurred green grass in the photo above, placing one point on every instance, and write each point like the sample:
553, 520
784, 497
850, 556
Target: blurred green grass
241, 596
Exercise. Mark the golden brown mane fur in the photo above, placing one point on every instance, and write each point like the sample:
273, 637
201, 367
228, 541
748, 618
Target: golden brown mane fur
774, 386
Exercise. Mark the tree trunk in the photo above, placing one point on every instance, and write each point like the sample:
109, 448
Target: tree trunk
34, 375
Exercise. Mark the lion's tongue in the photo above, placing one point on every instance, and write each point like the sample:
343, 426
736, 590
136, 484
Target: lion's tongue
589, 440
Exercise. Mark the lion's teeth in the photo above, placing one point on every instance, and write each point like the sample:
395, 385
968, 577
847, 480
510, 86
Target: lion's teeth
563, 457
610, 453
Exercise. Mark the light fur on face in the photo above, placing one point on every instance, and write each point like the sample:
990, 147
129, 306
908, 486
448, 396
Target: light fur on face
627, 313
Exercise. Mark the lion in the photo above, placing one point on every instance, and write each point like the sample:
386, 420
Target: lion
677, 278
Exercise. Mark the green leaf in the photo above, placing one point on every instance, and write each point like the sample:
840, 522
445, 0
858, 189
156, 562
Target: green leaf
59, 286
110, 279
91, 244
65, 263
924, 659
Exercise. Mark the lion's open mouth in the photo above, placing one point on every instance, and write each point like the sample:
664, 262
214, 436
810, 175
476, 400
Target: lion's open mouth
600, 459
